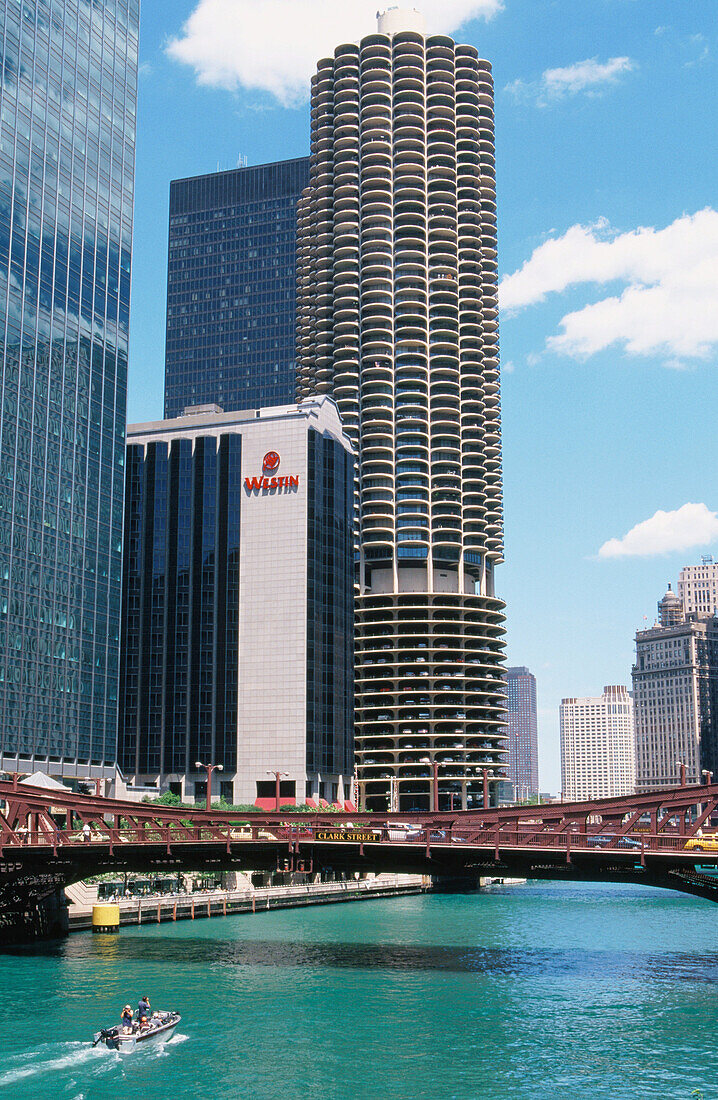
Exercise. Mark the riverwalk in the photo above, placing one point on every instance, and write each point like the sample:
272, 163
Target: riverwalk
247, 899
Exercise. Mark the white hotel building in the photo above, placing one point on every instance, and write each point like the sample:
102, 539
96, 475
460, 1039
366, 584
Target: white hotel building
598, 753
237, 614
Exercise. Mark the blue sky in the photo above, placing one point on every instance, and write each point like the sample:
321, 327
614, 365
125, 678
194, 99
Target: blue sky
608, 244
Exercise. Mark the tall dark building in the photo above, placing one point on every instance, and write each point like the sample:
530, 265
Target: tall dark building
67, 146
522, 763
398, 321
231, 288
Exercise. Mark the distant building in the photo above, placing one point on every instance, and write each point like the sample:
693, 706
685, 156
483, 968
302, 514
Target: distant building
675, 688
522, 761
698, 587
237, 618
598, 756
231, 288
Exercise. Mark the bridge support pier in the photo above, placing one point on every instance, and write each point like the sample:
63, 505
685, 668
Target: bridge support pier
27, 919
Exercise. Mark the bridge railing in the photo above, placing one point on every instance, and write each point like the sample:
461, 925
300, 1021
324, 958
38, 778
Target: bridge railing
384, 833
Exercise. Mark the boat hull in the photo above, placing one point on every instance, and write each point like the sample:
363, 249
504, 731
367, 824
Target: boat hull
124, 1043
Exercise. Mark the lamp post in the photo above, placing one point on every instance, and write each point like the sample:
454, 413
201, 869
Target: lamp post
682, 766
708, 776
278, 776
486, 787
209, 768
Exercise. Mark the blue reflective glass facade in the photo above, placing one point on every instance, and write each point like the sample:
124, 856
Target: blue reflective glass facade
68, 88
231, 288
180, 620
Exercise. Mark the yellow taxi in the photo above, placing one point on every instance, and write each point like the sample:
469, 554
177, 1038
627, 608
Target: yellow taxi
706, 843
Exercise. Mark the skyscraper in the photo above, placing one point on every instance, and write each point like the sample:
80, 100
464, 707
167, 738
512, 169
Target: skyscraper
67, 141
238, 602
398, 320
598, 753
522, 763
231, 288
675, 689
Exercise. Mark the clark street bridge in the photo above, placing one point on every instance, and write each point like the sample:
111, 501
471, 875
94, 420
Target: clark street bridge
50, 839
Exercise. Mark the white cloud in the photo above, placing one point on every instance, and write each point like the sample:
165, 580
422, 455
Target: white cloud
665, 532
274, 45
584, 76
669, 306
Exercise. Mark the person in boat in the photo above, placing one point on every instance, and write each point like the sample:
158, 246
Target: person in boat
127, 1018
144, 1012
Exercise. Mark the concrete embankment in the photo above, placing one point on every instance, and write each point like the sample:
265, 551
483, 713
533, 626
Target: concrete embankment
219, 903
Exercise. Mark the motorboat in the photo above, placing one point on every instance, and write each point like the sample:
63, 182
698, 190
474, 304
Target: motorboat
159, 1029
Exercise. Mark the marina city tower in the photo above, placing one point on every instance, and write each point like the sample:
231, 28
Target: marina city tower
397, 320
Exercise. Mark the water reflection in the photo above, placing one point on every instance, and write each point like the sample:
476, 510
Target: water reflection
495, 961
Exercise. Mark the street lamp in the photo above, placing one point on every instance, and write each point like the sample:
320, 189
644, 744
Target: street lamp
277, 794
209, 768
683, 772
708, 775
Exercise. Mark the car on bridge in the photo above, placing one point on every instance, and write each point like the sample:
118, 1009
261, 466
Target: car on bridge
604, 840
706, 843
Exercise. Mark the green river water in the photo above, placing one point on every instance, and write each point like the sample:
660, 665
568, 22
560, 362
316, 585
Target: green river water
538, 991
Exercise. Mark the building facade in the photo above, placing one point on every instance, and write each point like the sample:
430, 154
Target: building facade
238, 603
522, 761
398, 321
675, 690
698, 587
231, 288
67, 145
598, 751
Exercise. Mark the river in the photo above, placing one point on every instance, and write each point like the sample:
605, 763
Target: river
529, 992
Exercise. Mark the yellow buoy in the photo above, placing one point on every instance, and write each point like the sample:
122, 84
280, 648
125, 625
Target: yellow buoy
106, 917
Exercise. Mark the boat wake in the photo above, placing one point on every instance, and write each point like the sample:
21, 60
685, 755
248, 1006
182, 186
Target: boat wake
62, 1056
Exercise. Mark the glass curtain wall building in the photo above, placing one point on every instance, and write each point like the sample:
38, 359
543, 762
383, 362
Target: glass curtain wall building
398, 321
67, 142
231, 289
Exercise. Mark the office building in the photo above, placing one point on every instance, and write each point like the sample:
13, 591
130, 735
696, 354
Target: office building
675, 690
598, 752
398, 321
698, 587
238, 603
231, 288
522, 744
67, 147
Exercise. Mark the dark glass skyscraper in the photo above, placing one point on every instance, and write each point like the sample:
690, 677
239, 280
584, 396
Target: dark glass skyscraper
231, 288
522, 763
68, 90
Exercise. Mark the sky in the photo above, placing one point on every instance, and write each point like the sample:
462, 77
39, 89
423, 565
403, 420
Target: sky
608, 252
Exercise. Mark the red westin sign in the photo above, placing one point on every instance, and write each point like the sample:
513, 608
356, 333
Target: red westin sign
270, 462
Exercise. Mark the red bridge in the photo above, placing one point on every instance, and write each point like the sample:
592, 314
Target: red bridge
49, 839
